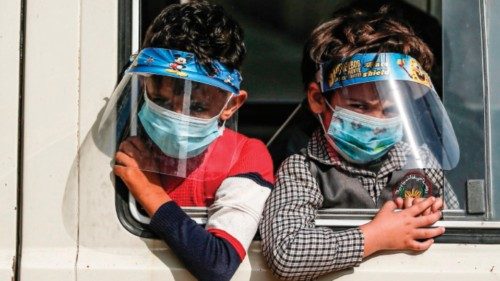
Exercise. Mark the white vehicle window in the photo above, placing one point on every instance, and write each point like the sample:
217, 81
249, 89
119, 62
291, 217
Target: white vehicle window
275, 32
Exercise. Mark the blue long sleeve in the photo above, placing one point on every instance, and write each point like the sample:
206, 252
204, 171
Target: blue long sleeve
206, 256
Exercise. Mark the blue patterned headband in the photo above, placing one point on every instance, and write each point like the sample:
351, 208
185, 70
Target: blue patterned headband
371, 67
184, 65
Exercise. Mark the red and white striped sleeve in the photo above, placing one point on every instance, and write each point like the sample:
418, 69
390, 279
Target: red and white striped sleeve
235, 214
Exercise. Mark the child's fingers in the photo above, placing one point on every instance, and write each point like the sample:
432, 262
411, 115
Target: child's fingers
425, 233
408, 202
123, 159
399, 202
427, 211
129, 148
119, 170
122, 172
389, 206
427, 220
420, 207
438, 205
138, 143
420, 246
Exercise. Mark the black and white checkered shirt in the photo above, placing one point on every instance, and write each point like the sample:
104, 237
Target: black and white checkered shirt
292, 244
374, 181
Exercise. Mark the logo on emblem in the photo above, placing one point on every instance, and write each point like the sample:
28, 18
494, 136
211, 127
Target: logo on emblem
413, 185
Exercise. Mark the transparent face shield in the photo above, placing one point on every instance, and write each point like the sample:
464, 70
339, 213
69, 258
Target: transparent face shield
381, 101
173, 120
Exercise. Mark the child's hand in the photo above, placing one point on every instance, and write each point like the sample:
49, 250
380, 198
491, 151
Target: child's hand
408, 202
144, 186
402, 230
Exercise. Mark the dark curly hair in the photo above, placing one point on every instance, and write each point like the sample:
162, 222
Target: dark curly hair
352, 31
201, 28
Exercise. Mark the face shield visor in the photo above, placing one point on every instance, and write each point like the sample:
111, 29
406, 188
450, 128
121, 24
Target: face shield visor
172, 115
384, 100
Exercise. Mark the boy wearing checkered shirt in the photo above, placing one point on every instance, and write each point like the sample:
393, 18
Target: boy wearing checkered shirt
366, 80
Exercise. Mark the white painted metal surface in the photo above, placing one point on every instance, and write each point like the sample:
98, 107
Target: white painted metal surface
70, 227
49, 215
10, 27
441, 262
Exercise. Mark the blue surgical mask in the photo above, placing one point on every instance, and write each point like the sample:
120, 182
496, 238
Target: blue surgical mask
178, 135
361, 138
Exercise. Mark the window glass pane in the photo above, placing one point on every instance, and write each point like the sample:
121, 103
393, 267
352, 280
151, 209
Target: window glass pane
463, 89
275, 34
492, 21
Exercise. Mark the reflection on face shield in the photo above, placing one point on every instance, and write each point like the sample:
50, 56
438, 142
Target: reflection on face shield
179, 116
362, 138
369, 91
366, 99
186, 97
178, 135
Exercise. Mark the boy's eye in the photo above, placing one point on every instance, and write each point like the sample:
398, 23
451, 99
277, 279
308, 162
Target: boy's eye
358, 106
162, 102
198, 107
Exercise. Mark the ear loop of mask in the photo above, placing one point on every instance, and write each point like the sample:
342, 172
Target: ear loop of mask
222, 110
325, 132
319, 116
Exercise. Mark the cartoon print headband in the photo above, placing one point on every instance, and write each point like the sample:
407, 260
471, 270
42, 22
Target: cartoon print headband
371, 67
184, 65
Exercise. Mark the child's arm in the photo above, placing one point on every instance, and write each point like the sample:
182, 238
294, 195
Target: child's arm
216, 252
145, 187
297, 249
392, 230
293, 246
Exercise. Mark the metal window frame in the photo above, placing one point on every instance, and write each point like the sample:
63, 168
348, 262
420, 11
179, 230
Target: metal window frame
461, 228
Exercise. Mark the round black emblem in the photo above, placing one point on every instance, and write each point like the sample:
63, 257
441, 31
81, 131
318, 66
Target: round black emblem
413, 185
